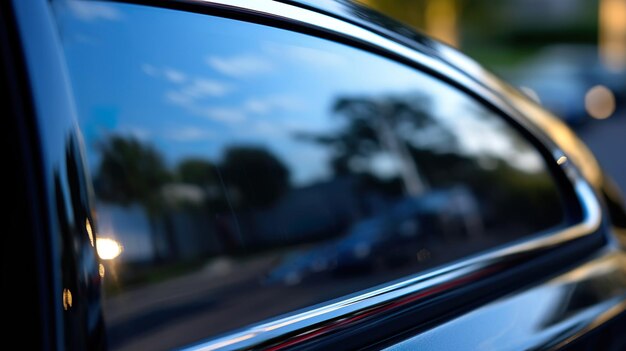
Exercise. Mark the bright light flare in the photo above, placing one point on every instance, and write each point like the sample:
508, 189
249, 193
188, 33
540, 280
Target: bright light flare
89, 231
531, 94
67, 299
108, 248
600, 102
612, 31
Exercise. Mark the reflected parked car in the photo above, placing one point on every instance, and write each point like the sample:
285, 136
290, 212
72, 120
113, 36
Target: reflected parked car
413, 228
562, 77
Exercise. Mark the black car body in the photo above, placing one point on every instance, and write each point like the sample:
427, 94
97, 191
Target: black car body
553, 277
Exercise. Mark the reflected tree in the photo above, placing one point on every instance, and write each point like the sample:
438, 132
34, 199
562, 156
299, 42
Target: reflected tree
254, 175
428, 154
197, 171
133, 172
376, 127
130, 171
373, 122
203, 174
247, 178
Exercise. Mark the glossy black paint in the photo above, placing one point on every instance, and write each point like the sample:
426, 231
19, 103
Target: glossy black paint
553, 314
58, 170
23, 267
71, 297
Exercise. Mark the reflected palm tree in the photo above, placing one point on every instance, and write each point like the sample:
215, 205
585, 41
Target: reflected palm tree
428, 155
378, 127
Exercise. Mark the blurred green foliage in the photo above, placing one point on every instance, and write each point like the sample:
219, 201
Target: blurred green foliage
500, 34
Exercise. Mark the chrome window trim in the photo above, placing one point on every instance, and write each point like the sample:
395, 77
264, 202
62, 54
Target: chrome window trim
316, 317
574, 319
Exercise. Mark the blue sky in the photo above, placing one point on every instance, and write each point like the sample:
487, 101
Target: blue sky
192, 84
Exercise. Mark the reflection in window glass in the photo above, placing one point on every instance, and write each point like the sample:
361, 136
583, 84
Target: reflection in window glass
243, 171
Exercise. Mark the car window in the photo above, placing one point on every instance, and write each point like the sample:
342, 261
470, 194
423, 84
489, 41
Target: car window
242, 171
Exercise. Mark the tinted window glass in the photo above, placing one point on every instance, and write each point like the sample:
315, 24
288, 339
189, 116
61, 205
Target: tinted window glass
247, 171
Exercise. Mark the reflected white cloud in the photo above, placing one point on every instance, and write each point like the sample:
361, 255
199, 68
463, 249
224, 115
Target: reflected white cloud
272, 103
475, 139
188, 87
91, 11
490, 137
385, 165
189, 92
187, 97
201, 87
174, 76
222, 114
198, 89
266, 129
275, 129
189, 134
149, 70
252, 106
178, 98
240, 66
303, 55
136, 132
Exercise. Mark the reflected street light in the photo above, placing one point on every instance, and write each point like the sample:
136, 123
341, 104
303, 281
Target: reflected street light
108, 248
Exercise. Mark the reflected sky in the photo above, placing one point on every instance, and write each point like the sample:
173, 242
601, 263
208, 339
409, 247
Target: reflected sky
190, 94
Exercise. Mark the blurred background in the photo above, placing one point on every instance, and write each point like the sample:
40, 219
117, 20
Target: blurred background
569, 55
